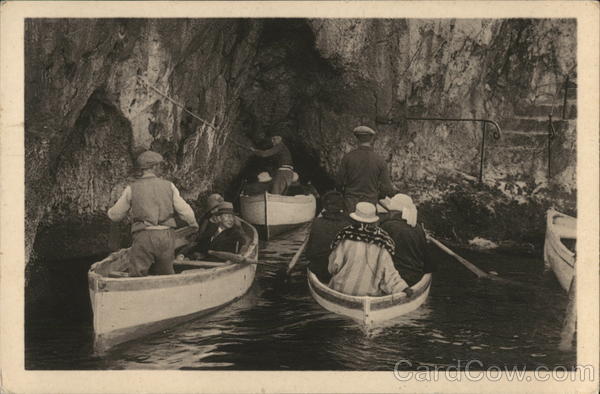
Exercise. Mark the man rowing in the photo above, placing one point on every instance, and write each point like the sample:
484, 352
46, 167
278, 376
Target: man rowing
285, 167
363, 174
152, 202
361, 261
411, 257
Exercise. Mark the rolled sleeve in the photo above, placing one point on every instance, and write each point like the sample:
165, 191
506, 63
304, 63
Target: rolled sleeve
118, 211
183, 208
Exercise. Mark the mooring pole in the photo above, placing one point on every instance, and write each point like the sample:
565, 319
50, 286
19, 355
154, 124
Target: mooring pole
482, 162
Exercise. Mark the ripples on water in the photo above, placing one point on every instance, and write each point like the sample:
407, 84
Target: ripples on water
278, 326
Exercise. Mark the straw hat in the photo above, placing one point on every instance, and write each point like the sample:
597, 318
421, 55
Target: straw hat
148, 159
365, 212
363, 130
264, 177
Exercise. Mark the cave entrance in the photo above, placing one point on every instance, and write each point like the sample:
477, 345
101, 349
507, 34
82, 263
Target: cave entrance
291, 82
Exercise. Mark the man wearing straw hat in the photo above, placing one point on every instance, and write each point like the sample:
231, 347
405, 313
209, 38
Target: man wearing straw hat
285, 167
153, 202
363, 174
412, 258
361, 261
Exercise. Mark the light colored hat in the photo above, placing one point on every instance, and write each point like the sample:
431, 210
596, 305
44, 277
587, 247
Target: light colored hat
363, 130
365, 212
295, 177
264, 177
213, 201
148, 159
402, 203
225, 207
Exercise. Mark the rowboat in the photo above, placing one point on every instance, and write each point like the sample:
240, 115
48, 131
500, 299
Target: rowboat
369, 311
274, 214
127, 308
560, 228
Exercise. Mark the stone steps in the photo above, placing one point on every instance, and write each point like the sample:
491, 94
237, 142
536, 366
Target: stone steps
527, 109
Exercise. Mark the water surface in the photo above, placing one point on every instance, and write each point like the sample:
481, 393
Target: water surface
278, 326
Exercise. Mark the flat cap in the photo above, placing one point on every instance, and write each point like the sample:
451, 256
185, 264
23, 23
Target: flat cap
148, 158
363, 130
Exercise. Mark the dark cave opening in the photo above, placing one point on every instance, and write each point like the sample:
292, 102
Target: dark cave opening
290, 84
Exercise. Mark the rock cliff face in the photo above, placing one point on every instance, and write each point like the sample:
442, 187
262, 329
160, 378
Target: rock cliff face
93, 103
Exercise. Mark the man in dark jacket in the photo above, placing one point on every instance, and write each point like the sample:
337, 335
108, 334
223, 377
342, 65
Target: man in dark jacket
227, 236
363, 174
323, 231
153, 202
285, 167
411, 256
260, 186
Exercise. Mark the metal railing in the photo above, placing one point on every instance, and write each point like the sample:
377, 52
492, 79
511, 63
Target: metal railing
496, 133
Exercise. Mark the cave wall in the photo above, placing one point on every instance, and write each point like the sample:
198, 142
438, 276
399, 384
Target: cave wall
88, 113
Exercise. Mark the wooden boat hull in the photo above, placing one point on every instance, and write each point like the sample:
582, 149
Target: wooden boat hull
369, 311
129, 308
274, 214
556, 255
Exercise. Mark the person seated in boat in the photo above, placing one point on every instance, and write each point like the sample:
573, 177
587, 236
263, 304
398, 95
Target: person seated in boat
260, 186
285, 167
226, 236
323, 231
411, 258
361, 261
295, 188
153, 201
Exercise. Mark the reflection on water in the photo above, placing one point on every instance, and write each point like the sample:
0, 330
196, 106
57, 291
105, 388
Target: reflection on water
278, 326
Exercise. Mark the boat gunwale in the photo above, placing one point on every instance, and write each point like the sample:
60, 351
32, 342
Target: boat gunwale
553, 236
100, 283
418, 289
297, 199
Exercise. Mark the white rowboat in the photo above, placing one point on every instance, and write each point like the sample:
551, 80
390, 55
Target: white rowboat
560, 227
274, 214
128, 308
367, 310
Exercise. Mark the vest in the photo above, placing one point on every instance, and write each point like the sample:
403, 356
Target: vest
151, 203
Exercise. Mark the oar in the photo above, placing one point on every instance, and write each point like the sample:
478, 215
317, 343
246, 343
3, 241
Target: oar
472, 267
237, 258
297, 256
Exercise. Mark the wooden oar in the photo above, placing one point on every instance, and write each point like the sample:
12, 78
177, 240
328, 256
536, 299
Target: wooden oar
297, 256
472, 267
237, 258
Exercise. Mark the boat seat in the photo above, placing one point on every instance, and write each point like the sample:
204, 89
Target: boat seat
118, 274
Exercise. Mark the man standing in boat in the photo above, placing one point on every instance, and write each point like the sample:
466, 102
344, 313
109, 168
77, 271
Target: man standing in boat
152, 202
363, 174
411, 258
361, 262
285, 167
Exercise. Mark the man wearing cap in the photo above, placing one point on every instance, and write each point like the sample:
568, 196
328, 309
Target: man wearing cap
152, 202
225, 237
262, 185
323, 230
285, 167
361, 262
363, 174
412, 258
